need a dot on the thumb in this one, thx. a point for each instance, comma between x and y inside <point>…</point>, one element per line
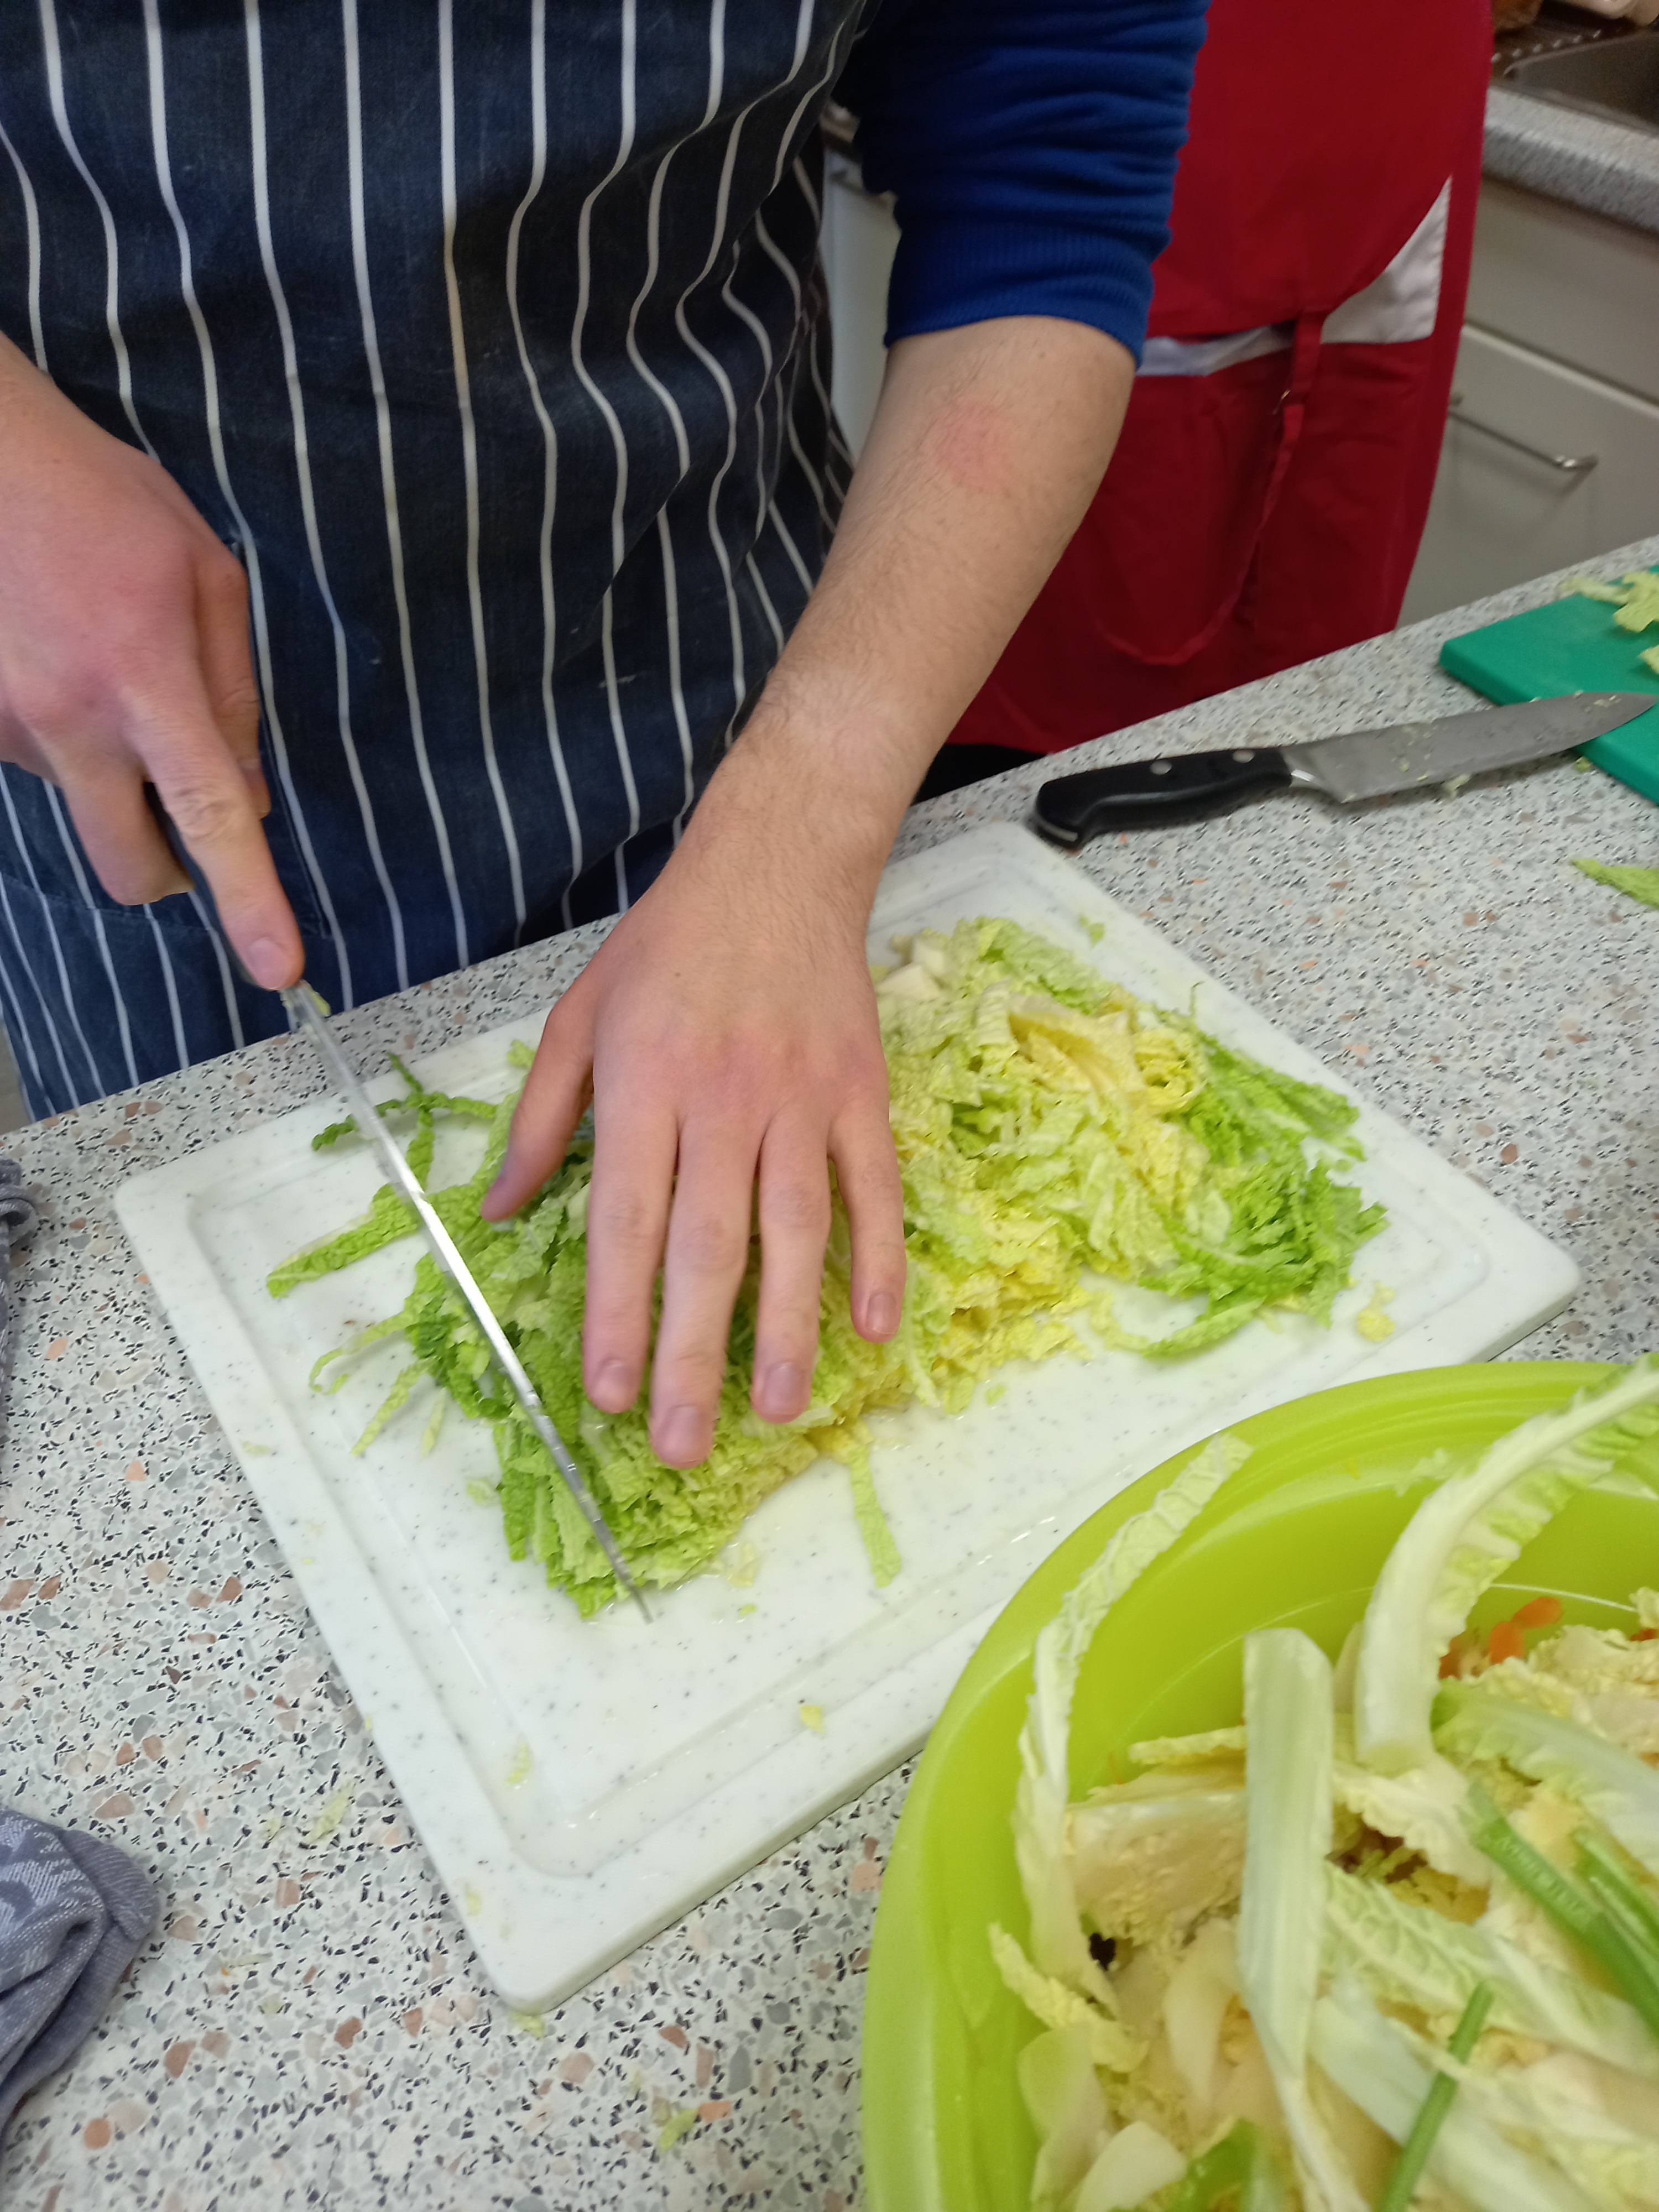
<point>556,1095</point>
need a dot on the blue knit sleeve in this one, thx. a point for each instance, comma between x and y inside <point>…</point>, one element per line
<point>1031,146</point>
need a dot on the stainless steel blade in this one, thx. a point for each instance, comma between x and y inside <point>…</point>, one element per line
<point>305,1012</point>
<point>1366,764</point>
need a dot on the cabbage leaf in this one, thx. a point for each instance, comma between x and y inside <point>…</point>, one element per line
<point>1041,1841</point>
<point>1619,1789</point>
<point>1375,2061</point>
<point>1460,1539</point>
<point>1287,1723</point>
<point>1410,1955</point>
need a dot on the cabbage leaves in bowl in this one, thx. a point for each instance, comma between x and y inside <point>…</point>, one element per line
<point>1396,1932</point>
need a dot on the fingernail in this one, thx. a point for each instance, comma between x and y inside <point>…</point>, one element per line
<point>614,1387</point>
<point>881,1314</point>
<point>781,1394</point>
<point>680,1437</point>
<point>269,963</point>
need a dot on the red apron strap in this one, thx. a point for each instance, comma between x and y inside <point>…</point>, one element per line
<point>1292,414</point>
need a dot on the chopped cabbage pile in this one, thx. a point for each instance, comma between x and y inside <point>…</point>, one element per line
<point>1054,1135</point>
<point>1395,1939</point>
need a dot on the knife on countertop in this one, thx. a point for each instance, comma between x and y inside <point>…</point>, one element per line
<point>1360,764</point>
<point>305,1012</point>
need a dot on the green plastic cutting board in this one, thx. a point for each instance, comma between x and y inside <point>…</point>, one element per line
<point>1297,1535</point>
<point>1571,645</point>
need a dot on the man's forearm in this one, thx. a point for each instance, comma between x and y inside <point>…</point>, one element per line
<point>987,446</point>
<point>728,1026</point>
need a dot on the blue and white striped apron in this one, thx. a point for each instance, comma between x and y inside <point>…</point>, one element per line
<point>493,340</point>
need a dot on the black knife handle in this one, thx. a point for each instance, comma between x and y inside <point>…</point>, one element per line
<point>1071,808</point>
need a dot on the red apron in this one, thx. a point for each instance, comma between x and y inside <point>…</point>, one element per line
<point>1262,513</point>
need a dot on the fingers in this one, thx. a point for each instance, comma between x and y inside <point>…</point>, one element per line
<point>707,1252</point>
<point>867,1170</point>
<point>627,1221</point>
<point>794,1221</point>
<point>124,842</point>
<point>205,792</point>
<point>227,667</point>
<point>554,1099</point>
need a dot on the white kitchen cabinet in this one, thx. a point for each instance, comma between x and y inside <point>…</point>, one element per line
<point>1575,286</point>
<point>1560,355</point>
<point>1504,512</point>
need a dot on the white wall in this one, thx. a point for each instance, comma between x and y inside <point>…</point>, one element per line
<point>859,238</point>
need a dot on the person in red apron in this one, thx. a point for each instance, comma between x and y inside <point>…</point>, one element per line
<point>1270,487</point>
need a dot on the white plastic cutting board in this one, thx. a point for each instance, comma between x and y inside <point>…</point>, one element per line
<point>580,1784</point>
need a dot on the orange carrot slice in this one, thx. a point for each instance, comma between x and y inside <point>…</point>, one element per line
<point>1505,1642</point>
<point>1538,1613</point>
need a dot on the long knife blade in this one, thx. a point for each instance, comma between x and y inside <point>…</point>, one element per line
<point>305,1012</point>
<point>1366,764</point>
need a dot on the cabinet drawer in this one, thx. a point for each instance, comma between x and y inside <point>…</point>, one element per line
<point>1575,286</point>
<point>1501,516</point>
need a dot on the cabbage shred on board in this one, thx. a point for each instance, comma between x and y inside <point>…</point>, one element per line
<point>1053,1134</point>
<point>1395,1939</point>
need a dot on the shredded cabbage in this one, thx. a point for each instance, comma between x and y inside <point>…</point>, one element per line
<point>1049,1123</point>
<point>1052,1132</point>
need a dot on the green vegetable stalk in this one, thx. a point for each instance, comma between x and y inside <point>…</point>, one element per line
<point>1408,2170</point>
<point>1633,1968</point>
<point>1240,2172</point>
<point>1619,1893</point>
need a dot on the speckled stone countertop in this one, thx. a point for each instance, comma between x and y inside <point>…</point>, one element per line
<point>309,2026</point>
<point>1606,168</point>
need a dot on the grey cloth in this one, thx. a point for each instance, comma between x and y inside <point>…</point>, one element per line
<point>73,1911</point>
<point>17,1218</point>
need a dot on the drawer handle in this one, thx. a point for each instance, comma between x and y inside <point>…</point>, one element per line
<point>1569,464</point>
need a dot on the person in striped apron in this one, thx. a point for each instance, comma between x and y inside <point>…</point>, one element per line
<point>417,467</point>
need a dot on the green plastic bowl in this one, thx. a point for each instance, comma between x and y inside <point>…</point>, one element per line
<point>1298,1535</point>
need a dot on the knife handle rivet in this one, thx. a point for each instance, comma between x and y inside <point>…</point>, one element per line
<point>1159,768</point>
<point>1244,758</point>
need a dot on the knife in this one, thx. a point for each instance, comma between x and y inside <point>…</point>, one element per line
<point>1360,764</point>
<point>305,1012</point>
